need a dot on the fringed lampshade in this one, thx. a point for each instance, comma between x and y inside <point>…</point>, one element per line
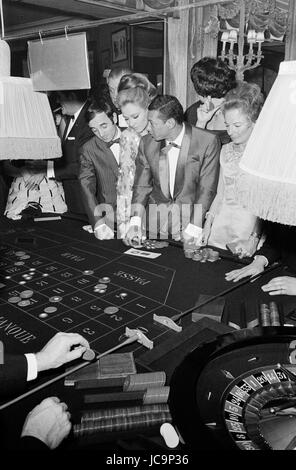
<point>27,128</point>
<point>267,185</point>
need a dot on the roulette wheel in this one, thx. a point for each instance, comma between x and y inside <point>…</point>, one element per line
<point>238,392</point>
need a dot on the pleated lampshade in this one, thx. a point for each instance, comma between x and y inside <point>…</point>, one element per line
<point>267,184</point>
<point>27,128</point>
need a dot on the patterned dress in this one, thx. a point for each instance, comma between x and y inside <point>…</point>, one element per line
<point>49,194</point>
<point>129,144</point>
<point>232,222</point>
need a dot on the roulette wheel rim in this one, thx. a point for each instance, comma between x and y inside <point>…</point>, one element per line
<point>187,404</point>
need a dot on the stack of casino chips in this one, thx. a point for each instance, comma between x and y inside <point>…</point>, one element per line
<point>154,244</point>
<point>143,401</point>
<point>201,254</point>
<point>122,419</point>
<point>269,314</point>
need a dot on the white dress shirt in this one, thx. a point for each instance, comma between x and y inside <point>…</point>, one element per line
<point>115,148</point>
<point>32,367</point>
<point>173,156</point>
<point>121,121</point>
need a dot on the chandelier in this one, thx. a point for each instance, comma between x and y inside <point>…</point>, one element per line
<point>248,24</point>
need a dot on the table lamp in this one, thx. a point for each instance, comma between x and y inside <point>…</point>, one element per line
<point>267,184</point>
<point>27,128</point>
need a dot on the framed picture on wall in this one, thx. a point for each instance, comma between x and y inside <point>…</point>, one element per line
<point>119,45</point>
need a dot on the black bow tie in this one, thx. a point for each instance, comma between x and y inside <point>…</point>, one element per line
<point>115,141</point>
<point>173,144</point>
<point>168,147</point>
<point>69,117</point>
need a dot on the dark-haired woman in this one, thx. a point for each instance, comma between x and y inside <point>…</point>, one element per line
<point>211,79</point>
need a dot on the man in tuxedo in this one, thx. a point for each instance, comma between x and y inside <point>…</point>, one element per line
<point>98,173</point>
<point>113,80</point>
<point>74,132</point>
<point>74,105</point>
<point>49,422</point>
<point>177,171</point>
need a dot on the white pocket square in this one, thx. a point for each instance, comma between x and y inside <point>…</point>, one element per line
<point>70,138</point>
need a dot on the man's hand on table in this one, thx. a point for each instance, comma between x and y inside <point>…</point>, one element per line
<point>59,350</point>
<point>49,422</point>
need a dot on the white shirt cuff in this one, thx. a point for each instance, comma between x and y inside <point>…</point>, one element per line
<point>136,220</point>
<point>265,259</point>
<point>32,367</point>
<point>50,169</point>
<point>194,231</point>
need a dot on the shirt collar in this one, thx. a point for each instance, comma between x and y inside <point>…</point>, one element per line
<point>117,133</point>
<point>78,112</point>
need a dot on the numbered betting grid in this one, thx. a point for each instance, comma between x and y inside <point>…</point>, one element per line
<point>85,290</point>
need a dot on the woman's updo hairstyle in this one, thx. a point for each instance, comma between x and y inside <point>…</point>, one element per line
<point>135,88</point>
<point>247,97</point>
<point>134,80</point>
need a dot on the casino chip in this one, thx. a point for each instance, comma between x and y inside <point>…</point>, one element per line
<point>14,300</point>
<point>89,355</point>
<point>22,282</point>
<point>88,272</point>
<point>100,286</point>
<point>105,280</point>
<point>24,303</point>
<point>50,309</point>
<point>19,263</point>
<point>25,257</point>
<point>20,253</point>
<point>110,310</point>
<point>100,291</point>
<point>43,315</point>
<point>55,298</point>
<point>26,294</point>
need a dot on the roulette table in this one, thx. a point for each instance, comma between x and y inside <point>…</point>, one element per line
<point>56,277</point>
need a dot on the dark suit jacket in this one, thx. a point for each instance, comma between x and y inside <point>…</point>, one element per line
<point>191,118</point>
<point>13,374</point>
<point>66,168</point>
<point>280,244</point>
<point>98,176</point>
<point>13,377</point>
<point>196,174</point>
<point>5,182</point>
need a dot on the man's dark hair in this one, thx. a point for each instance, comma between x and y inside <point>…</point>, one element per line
<point>212,77</point>
<point>168,107</point>
<point>97,107</point>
